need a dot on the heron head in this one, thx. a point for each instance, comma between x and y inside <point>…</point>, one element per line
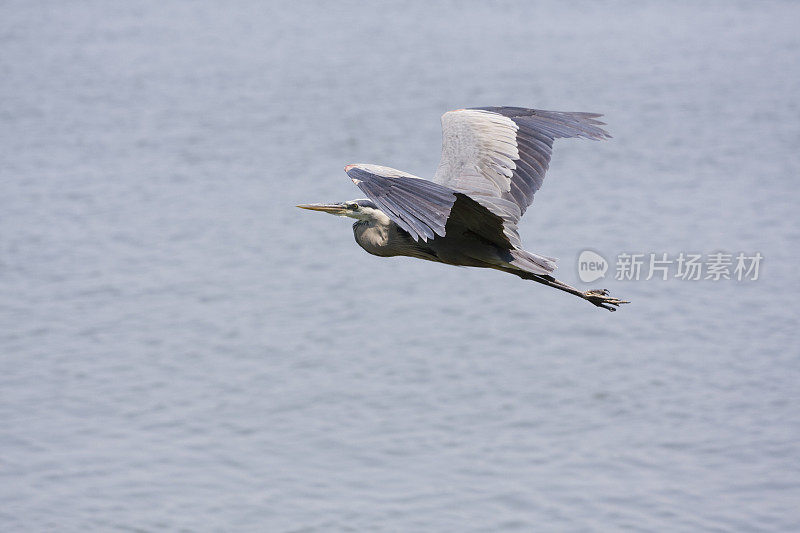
<point>360,209</point>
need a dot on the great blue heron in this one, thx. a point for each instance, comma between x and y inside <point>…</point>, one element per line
<point>493,161</point>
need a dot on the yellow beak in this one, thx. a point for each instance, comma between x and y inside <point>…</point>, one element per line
<point>334,209</point>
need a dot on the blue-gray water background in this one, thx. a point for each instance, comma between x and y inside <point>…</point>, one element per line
<point>182,349</point>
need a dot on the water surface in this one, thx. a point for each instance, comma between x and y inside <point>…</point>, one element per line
<point>182,349</point>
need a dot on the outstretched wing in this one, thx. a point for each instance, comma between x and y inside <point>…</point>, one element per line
<point>419,206</point>
<point>426,209</point>
<point>499,155</point>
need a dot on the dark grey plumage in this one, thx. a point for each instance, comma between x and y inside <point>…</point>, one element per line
<point>493,162</point>
<point>418,206</point>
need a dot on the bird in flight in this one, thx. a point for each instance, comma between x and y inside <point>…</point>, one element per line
<point>493,162</point>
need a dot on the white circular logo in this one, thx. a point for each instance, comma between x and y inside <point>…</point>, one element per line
<point>591,266</point>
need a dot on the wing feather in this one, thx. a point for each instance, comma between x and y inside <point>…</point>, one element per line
<point>425,209</point>
<point>419,206</point>
<point>503,152</point>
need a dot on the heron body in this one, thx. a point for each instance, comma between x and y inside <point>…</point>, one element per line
<point>493,162</point>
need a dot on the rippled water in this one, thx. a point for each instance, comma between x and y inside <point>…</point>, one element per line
<point>182,349</point>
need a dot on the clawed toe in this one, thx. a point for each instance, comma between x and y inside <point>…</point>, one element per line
<point>598,292</point>
<point>601,298</point>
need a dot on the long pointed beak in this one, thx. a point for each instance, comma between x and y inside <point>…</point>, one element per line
<point>334,209</point>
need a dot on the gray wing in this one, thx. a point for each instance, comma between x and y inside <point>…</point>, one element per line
<point>419,206</point>
<point>426,209</point>
<point>499,155</point>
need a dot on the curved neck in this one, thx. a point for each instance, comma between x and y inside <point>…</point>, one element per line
<point>374,236</point>
<point>386,239</point>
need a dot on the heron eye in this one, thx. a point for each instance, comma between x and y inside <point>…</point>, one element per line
<point>353,206</point>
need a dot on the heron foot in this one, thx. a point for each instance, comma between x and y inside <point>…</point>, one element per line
<point>601,298</point>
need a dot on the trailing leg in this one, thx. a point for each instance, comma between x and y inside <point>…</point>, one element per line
<point>598,297</point>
